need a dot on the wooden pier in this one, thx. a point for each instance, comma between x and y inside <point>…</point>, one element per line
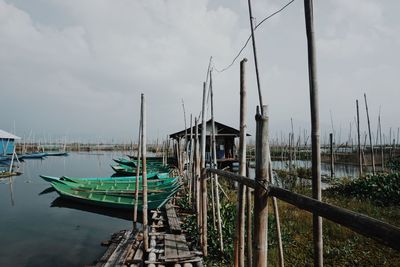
<point>167,246</point>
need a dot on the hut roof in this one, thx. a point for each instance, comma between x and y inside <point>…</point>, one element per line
<point>6,135</point>
<point>221,130</point>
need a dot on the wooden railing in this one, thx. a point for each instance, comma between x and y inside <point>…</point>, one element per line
<point>382,232</point>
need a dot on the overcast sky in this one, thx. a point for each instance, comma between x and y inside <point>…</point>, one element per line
<point>77,68</point>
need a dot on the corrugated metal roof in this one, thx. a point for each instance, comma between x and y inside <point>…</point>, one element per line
<point>6,135</point>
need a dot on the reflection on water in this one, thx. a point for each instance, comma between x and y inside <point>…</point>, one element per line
<point>37,228</point>
<point>115,213</point>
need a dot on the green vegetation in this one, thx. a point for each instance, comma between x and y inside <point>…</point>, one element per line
<point>382,189</point>
<point>375,196</point>
<point>394,164</point>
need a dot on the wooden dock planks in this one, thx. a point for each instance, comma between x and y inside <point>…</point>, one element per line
<point>173,221</point>
<point>176,247</point>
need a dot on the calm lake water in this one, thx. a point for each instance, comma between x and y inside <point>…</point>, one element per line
<point>37,228</point>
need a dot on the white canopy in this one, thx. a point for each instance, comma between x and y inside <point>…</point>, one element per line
<point>6,135</point>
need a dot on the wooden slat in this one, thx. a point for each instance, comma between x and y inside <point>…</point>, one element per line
<point>173,221</point>
<point>171,251</point>
<point>182,247</point>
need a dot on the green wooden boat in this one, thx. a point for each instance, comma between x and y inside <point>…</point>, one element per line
<point>126,189</point>
<point>126,179</point>
<point>114,199</point>
<point>133,163</point>
<point>148,159</point>
<point>126,162</point>
<point>161,184</point>
<point>127,170</point>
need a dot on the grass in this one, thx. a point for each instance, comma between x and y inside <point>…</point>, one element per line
<point>342,247</point>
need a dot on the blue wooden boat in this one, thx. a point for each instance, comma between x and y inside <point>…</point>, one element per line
<point>35,155</point>
<point>56,154</point>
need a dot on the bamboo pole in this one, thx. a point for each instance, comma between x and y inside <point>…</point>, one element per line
<point>281,259</point>
<point>370,136</point>
<point>315,131</point>
<point>203,180</point>
<point>249,224</point>
<point>380,141</point>
<point>360,170</point>
<point>197,173</point>
<point>331,155</point>
<point>253,39</point>
<point>216,183</point>
<point>260,195</point>
<point>144,177</point>
<point>190,171</point>
<point>240,214</point>
<point>138,168</point>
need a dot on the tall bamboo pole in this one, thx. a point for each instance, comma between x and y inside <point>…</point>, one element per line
<point>144,177</point>
<point>281,259</point>
<point>381,143</point>
<point>370,136</point>
<point>203,180</point>
<point>331,153</point>
<point>260,194</point>
<point>138,167</point>
<point>253,39</point>
<point>216,183</point>
<point>315,131</point>
<point>240,217</point>
<point>190,171</point>
<point>197,173</point>
<point>359,142</point>
<point>249,224</point>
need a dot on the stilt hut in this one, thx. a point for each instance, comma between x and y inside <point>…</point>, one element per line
<point>224,138</point>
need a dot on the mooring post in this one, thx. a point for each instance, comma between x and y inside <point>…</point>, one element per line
<point>216,183</point>
<point>360,170</point>
<point>138,167</point>
<point>203,178</point>
<point>144,178</point>
<point>260,193</point>
<point>249,224</point>
<point>197,174</point>
<point>190,171</point>
<point>370,136</point>
<point>240,213</point>
<point>331,153</point>
<point>315,131</point>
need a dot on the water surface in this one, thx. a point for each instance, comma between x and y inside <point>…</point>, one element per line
<point>37,228</point>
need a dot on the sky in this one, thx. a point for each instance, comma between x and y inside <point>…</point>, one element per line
<point>76,69</point>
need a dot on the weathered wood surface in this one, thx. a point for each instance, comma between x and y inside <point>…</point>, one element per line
<point>173,221</point>
<point>176,247</point>
<point>118,250</point>
<point>382,232</point>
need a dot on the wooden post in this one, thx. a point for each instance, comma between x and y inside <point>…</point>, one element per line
<point>315,131</point>
<point>190,171</point>
<point>203,180</point>
<point>332,159</point>
<point>381,143</point>
<point>216,183</point>
<point>253,39</point>
<point>197,173</point>
<point>240,213</point>
<point>144,177</point>
<point>260,194</point>
<point>138,167</point>
<point>370,136</point>
<point>359,142</point>
<point>249,224</point>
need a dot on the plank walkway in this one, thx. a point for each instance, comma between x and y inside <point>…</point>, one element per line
<point>168,245</point>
